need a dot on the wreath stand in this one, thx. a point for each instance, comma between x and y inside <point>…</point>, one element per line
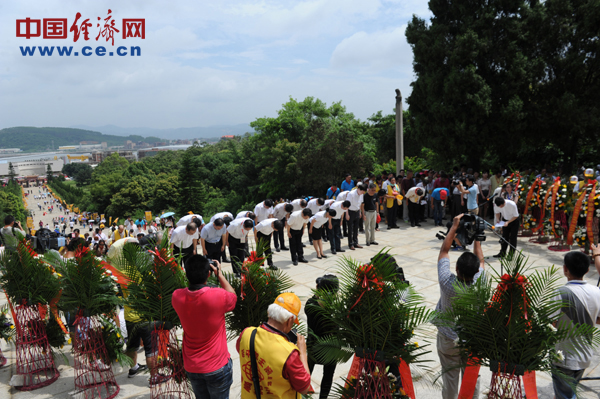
<point>369,367</point>
<point>168,378</point>
<point>94,378</point>
<point>35,360</point>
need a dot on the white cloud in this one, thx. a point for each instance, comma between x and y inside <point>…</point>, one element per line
<point>374,51</point>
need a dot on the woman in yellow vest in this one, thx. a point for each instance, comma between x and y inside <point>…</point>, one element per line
<point>282,366</point>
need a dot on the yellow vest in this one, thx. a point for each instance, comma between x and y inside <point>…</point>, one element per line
<point>272,351</point>
<point>118,235</point>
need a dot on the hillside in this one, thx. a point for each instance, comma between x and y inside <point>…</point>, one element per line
<point>31,139</point>
<point>174,133</point>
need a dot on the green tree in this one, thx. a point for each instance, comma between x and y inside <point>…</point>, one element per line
<point>81,172</point>
<point>166,195</point>
<point>474,63</point>
<point>49,175</point>
<point>11,172</point>
<point>191,188</point>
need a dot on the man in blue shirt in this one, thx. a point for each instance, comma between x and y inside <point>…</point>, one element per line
<point>348,183</point>
<point>472,190</point>
<point>439,195</point>
<point>333,191</point>
<point>211,238</point>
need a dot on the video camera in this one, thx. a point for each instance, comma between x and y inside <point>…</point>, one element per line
<point>459,179</point>
<point>471,228</point>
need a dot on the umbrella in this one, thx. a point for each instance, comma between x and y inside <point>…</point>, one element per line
<point>167,214</point>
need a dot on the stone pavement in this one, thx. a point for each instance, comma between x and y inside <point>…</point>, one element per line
<point>415,249</point>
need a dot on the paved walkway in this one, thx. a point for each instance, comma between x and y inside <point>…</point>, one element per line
<point>415,249</point>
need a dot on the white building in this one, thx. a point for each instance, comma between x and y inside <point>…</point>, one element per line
<point>33,167</point>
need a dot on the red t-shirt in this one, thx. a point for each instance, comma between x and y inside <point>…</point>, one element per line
<point>293,369</point>
<point>202,315</point>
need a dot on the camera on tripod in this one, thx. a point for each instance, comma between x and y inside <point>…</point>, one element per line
<point>471,228</point>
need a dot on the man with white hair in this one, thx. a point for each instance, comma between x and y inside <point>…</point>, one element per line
<point>268,350</point>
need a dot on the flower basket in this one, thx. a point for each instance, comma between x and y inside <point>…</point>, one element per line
<point>524,232</point>
<point>372,380</point>
<point>35,360</point>
<point>94,377</point>
<point>506,381</point>
<point>168,378</point>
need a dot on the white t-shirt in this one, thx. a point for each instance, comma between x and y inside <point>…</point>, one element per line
<point>221,215</point>
<point>339,211</point>
<point>509,210</point>
<point>355,200</point>
<point>188,219</point>
<point>314,206</point>
<point>265,226</point>
<point>318,219</point>
<point>296,221</point>
<point>297,204</point>
<point>279,210</point>
<point>181,239</point>
<point>236,229</point>
<point>261,212</point>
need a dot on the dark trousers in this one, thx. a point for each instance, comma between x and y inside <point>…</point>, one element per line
<point>264,241</point>
<point>335,235</point>
<point>278,236</point>
<point>438,211</point>
<point>327,380</point>
<point>392,215</point>
<point>353,228</point>
<point>296,248</point>
<point>456,206</point>
<point>237,252</point>
<point>186,253</point>
<point>413,213</point>
<point>213,250</point>
<point>509,233</point>
<point>345,226</point>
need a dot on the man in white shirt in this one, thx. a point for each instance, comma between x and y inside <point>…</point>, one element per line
<point>236,237</point>
<point>264,230</point>
<point>227,218</point>
<point>581,306</point>
<point>295,226</point>
<point>342,197</point>
<point>316,228</point>
<point>414,195</point>
<point>356,199</point>
<point>246,214</point>
<point>264,210</point>
<point>299,204</point>
<point>510,215</point>
<point>335,225</point>
<point>281,212</point>
<point>184,240</point>
<point>191,219</point>
<point>211,238</point>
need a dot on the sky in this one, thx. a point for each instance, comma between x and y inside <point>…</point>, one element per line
<point>206,63</point>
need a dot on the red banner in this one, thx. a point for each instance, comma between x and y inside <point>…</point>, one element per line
<point>469,380</point>
<point>590,213</point>
<point>407,381</point>
<point>575,216</point>
<point>543,207</point>
<point>530,385</point>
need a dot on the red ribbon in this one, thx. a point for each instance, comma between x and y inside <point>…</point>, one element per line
<point>469,380</point>
<point>365,281</point>
<point>590,213</point>
<point>406,377</point>
<point>530,385</point>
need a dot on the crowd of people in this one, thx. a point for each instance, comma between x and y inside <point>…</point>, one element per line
<point>344,211</point>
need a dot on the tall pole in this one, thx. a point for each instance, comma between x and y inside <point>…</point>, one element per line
<point>399,134</point>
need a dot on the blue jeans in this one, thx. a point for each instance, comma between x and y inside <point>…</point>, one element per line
<point>438,212</point>
<point>563,387</point>
<point>213,385</point>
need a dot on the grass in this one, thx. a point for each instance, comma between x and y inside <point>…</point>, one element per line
<point>73,183</point>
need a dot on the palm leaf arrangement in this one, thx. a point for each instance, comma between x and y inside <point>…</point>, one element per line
<point>25,277</point>
<point>510,328</point>
<point>256,290</point>
<point>376,314</point>
<point>154,276</point>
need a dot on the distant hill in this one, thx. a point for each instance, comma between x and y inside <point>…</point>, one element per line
<point>31,139</point>
<point>182,133</point>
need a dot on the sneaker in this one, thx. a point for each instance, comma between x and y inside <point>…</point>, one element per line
<point>141,368</point>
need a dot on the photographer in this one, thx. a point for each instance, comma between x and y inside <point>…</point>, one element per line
<point>469,267</point>
<point>206,359</point>
<point>471,193</point>
<point>508,213</point>
<point>9,238</point>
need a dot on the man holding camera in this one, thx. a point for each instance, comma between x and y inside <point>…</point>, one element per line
<point>206,359</point>
<point>469,267</point>
<point>509,213</point>
<point>9,238</point>
<point>471,191</point>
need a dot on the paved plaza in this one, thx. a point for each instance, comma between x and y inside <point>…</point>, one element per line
<point>415,249</point>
